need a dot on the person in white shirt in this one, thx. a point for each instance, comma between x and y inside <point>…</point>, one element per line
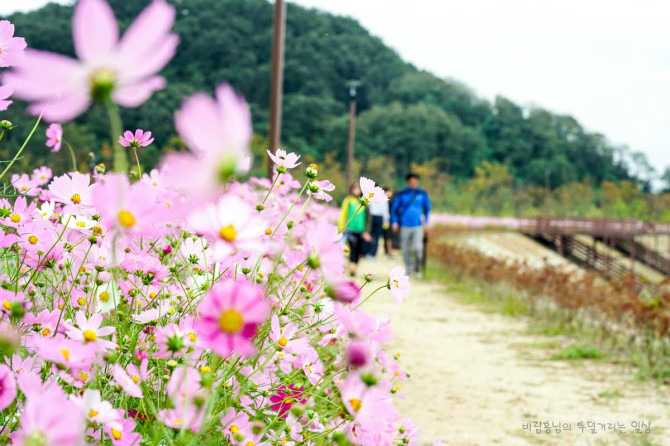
<point>381,218</point>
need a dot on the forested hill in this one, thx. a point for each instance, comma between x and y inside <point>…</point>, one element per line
<point>404,114</point>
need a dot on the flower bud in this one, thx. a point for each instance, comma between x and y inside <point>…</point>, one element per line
<point>312,171</point>
<point>313,260</point>
<point>368,277</point>
<point>260,207</point>
<point>5,124</point>
<point>343,291</point>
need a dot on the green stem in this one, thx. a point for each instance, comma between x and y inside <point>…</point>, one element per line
<point>350,218</point>
<point>120,159</point>
<point>271,188</point>
<point>72,155</point>
<point>139,169</point>
<point>25,143</point>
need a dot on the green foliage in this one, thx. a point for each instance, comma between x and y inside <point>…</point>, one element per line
<point>404,115</point>
<point>577,352</point>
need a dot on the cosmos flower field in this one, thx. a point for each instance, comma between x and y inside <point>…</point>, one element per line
<point>187,305</point>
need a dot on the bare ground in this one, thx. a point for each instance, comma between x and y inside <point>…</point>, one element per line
<point>477,377</point>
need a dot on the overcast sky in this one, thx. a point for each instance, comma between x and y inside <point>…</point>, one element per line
<point>606,62</point>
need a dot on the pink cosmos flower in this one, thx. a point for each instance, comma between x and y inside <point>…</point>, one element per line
<point>233,422</point>
<point>54,137</point>
<point>5,94</point>
<point>231,226</point>
<point>358,353</point>
<point>344,291</point>
<point>127,383</point>
<point>122,434</point>
<point>11,48</point>
<point>324,252</point>
<point>7,387</point>
<point>108,67</point>
<point>131,209</point>
<point>139,139</point>
<point>50,418</point>
<point>219,133</point>
<point>318,190</point>
<point>74,191</point>
<point>90,331</point>
<point>41,175</point>
<point>284,336</point>
<point>25,184</point>
<point>21,213</point>
<point>95,409</point>
<point>229,316</point>
<point>284,160</point>
<point>372,193</point>
<point>370,406</point>
<point>398,284</point>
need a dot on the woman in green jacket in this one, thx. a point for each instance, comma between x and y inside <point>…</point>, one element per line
<point>357,225</point>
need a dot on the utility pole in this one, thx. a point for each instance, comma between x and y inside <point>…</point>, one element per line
<point>277,78</point>
<point>547,192</point>
<point>352,84</point>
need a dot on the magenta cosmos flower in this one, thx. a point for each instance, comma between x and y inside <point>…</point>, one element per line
<point>107,67</point>
<point>139,139</point>
<point>54,137</point>
<point>229,316</point>
<point>11,48</point>
<point>218,132</point>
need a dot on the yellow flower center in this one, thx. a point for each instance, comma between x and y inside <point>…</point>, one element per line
<point>177,421</point>
<point>135,379</point>
<point>371,194</point>
<point>90,335</point>
<point>282,341</point>
<point>83,376</point>
<point>47,332</point>
<point>81,301</point>
<point>32,240</point>
<point>234,429</point>
<point>152,295</point>
<point>66,353</point>
<point>15,218</point>
<point>205,369</point>
<point>192,337</point>
<point>81,224</point>
<point>288,401</point>
<point>93,413</point>
<point>104,296</point>
<point>97,229</point>
<point>126,219</point>
<point>116,434</point>
<point>228,233</point>
<point>231,321</point>
<point>76,198</point>
<point>355,404</point>
<point>268,231</point>
<point>395,282</point>
<point>24,187</point>
<point>7,304</point>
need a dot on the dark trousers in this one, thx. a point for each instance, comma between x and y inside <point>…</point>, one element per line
<point>355,240</point>
<point>375,233</point>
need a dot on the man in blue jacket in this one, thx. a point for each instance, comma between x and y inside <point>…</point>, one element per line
<point>409,215</point>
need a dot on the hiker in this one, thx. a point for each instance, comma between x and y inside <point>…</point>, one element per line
<point>355,225</point>
<point>387,232</point>
<point>380,218</point>
<point>409,217</point>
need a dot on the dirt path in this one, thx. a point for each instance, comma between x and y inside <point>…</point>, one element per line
<point>476,377</point>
